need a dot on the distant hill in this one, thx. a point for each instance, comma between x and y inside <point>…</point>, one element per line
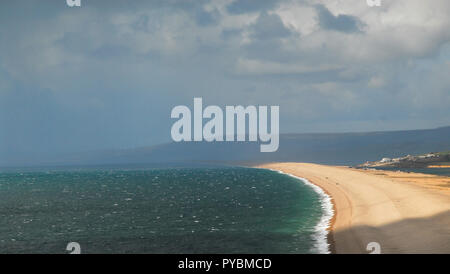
<point>429,160</point>
<point>338,148</point>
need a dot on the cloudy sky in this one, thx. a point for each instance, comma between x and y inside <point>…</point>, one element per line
<point>107,74</point>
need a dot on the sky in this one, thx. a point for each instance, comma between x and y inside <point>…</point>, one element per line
<point>107,74</point>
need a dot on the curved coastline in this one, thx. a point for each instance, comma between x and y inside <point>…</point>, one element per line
<point>403,212</point>
<point>323,227</point>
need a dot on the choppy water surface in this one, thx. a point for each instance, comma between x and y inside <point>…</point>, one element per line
<point>182,210</point>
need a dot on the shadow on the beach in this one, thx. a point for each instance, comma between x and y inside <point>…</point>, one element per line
<point>417,235</point>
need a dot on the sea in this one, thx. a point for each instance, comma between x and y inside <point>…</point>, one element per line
<point>192,210</point>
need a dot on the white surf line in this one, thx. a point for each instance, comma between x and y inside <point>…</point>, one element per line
<point>322,227</point>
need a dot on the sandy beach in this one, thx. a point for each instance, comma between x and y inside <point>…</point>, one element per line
<point>403,212</point>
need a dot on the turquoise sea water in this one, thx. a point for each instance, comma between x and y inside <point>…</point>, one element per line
<point>178,210</point>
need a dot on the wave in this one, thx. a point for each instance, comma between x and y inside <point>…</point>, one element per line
<point>321,245</point>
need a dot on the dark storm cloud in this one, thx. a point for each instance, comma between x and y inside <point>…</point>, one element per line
<point>266,33</point>
<point>341,22</point>
<point>245,6</point>
<point>269,26</point>
<point>206,18</point>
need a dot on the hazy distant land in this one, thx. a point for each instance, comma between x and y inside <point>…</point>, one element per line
<point>323,148</point>
<point>429,160</point>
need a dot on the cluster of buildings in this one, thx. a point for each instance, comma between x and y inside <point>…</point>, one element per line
<point>410,161</point>
<point>429,156</point>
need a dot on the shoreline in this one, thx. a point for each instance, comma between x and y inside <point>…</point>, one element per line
<point>368,207</point>
<point>324,226</point>
<point>330,221</point>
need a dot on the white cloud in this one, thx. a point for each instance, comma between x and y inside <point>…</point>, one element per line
<point>257,67</point>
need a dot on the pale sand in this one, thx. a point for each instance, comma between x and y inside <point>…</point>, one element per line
<point>403,212</point>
